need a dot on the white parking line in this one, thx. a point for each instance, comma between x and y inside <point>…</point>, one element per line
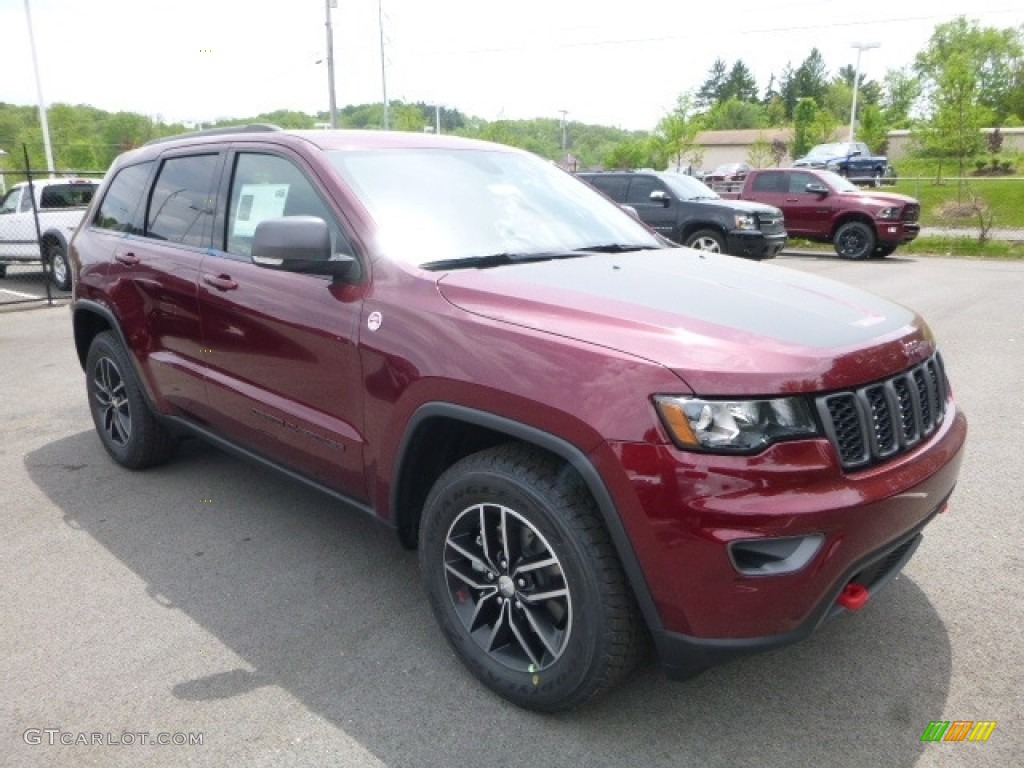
<point>19,293</point>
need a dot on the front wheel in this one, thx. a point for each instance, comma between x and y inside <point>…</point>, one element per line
<point>854,240</point>
<point>60,270</point>
<point>706,240</point>
<point>523,579</point>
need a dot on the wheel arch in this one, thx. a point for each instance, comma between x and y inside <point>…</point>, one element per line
<point>690,227</point>
<point>438,434</point>
<point>846,218</point>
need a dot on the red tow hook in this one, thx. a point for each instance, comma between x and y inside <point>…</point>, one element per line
<point>853,596</point>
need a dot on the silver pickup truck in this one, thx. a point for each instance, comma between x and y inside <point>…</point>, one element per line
<point>61,204</point>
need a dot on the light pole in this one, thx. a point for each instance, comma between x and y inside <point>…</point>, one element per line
<point>565,140</point>
<point>330,63</point>
<point>861,47</point>
<point>39,94</point>
<point>383,72</point>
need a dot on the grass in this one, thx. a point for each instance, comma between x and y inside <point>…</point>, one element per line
<point>965,247</point>
<point>1004,197</point>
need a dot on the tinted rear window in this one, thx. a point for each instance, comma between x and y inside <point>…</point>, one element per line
<point>76,195</point>
<point>118,209</point>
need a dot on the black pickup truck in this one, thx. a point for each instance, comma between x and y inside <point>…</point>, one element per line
<point>686,211</point>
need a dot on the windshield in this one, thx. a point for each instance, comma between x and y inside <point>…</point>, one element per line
<point>840,183</point>
<point>827,150</point>
<point>443,205</point>
<point>689,188</point>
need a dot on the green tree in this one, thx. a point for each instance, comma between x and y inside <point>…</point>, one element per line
<point>678,131</point>
<point>741,84</point>
<point>872,130</point>
<point>953,129</point>
<point>733,114</point>
<point>994,56</point>
<point>712,90</point>
<point>803,126</point>
<point>901,90</point>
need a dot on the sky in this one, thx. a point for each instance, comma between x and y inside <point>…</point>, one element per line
<point>617,64</point>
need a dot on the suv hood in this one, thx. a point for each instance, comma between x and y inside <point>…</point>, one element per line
<point>724,325</point>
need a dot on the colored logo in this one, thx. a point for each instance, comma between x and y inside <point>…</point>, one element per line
<point>958,730</point>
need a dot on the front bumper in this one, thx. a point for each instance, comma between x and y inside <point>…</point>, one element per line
<point>754,244</point>
<point>689,507</point>
<point>897,232</point>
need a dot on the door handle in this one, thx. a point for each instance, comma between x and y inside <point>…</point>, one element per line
<point>128,258</point>
<point>220,282</point>
<point>792,199</point>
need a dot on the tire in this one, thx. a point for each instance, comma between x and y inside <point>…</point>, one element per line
<point>706,240</point>
<point>854,240</point>
<point>502,528</point>
<point>126,425</point>
<point>60,269</point>
<point>876,178</point>
<point>881,251</point>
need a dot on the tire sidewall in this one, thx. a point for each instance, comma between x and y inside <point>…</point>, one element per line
<point>559,685</point>
<point>868,236</point>
<point>58,253</point>
<point>705,233</point>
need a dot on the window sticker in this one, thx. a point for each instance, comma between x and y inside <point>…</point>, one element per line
<point>257,202</point>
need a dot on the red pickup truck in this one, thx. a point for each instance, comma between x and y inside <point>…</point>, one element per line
<point>824,207</point>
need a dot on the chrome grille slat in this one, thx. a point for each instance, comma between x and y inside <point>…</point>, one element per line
<point>887,418</point>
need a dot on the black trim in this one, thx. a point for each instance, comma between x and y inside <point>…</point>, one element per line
<point>561,448</point>
<point>184,425</point>
<point>684,656</point>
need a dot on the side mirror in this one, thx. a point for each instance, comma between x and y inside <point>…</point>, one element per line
<point>816,189</point>
<point>659,196</point>
<point>298,244</point>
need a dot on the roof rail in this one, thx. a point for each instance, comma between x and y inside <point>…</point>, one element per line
<point>251,128</point>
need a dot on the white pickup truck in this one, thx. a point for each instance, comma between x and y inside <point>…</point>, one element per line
<point>61,204</point>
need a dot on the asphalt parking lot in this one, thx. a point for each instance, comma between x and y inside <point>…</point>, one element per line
<point>209,601</point>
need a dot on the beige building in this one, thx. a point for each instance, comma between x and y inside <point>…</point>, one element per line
<point>722,147</point>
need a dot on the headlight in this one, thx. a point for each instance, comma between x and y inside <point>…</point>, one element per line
<point>734,426</point>
<point>745,221</point>
<point>891,213</point>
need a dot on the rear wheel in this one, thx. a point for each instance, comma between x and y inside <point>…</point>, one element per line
<point>854,240</point>
<point>524,581</point>
<point>60,270</point>
<point>126,425</point>
<point>706,240</point>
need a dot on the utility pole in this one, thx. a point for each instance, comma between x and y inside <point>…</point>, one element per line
<point>565,137</point>
<point>330,63</point>
<point>39,94</point>
<point>861,47</point>
<point>383,73</point>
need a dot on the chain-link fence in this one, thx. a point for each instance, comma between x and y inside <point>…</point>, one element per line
<point>39,212</point>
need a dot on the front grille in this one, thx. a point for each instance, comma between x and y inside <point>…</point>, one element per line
<point>770,224</point>
<point>887,418</point>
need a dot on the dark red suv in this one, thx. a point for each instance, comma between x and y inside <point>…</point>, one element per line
<point>594,438</point>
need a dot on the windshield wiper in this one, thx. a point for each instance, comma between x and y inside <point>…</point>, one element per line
<point>495,260</point>
<point>612,248</point>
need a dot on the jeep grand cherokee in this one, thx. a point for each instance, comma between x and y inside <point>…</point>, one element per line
<point>593,438</point>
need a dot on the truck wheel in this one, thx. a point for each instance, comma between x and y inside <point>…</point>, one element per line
<point>854,240</point>
<point>876,178</point>
<point>60,270</point>
<point>706,240</point>
<point>127,427</point>
<point>523,579</point>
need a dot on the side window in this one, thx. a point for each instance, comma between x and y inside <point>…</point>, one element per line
<point>180,208</point>
<point>267,187</point>
<point>613,186</point>
<point>769,182</point>
<point>798,183</point>
<point>10,201</point>
<point>640,189</point>
<point>118,210</point>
